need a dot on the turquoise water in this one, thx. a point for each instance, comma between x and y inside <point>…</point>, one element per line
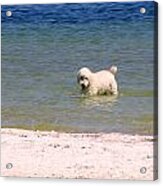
<point>43,47</point>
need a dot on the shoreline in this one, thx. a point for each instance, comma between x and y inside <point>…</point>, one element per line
<point>76,155</point>
<point>69,130</point>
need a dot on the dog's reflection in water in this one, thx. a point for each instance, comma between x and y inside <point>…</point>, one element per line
<point>104,101</point>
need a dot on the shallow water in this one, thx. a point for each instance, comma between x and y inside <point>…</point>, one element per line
<point>43,47</point>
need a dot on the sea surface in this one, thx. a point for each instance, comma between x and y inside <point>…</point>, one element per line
<point>43,47</point>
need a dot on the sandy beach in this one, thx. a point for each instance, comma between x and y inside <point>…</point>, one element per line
<point>76,155</point>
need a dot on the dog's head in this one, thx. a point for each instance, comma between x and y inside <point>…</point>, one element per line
<point>83,78</point>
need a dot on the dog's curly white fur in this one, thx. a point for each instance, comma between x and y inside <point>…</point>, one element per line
<point>98,83</point>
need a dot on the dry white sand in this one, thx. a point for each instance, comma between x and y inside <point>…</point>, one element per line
<point>64,155</point>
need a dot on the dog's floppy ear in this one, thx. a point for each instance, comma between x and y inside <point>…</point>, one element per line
<point>78,76</point>
<point>113,69</point>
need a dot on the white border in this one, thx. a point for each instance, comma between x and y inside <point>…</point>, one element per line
<point>41,182</point>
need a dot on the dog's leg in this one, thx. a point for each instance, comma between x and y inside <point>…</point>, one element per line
<point>93,91</point>
<point>113,89</point>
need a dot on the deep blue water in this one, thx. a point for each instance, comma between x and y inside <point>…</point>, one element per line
<point>43,47</point>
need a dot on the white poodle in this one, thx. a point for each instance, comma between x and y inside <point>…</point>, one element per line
<point>98,83</point>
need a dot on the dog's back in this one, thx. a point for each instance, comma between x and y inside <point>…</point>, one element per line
<point>105,80</point>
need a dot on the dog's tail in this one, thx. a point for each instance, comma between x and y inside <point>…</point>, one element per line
<point>113,69</point>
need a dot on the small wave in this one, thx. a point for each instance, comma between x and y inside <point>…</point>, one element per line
<point>137,93</point>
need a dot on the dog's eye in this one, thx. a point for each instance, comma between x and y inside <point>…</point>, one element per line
<point>82,77</point>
